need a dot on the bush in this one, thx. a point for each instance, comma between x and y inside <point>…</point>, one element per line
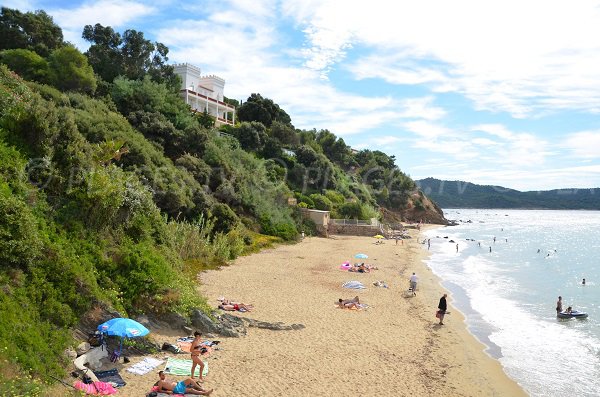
<point>335,197</point>
<point>301,198</point>
<point>286,231</point>
<point>20,243</point>
<point>28,64</point>
<point>321,202</point>
<point>224,219</point>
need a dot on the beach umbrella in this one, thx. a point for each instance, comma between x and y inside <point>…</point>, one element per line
<point>123,327</point>
<point>378,236</point>
<point>361,256</point>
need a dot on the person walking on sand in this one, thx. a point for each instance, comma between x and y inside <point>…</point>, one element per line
<point>413,283</point>
<point>559,305</point>
<point>195,351</point>
<point>442,306</point>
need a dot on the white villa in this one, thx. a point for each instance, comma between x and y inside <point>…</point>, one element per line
<point>204,93</point>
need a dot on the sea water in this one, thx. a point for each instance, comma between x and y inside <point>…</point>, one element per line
<point>509,295</point>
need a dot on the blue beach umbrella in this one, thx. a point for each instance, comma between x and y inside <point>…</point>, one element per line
<point>361,256</point>
<point>123,327</point>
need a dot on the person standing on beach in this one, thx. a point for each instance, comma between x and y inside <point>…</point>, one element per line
<point>413,283</point>
<point>442,306</point>
<point>195,351</point>
<point>456,247</point>
<point>559,305</point>
<point>428,244</point>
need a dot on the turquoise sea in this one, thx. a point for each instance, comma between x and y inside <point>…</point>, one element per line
<point>509,295</point>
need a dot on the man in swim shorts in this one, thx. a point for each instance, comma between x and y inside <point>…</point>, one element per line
<point>189,386</point>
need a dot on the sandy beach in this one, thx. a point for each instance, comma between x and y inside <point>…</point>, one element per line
<point>394,347</point>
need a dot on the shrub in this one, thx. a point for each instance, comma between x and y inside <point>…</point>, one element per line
<point>321,202</point>
<point>224,219</point>
<point>304,199</point>
<point>20,243</point>
<point>286,231</point>
<point>28,64</point>
<point>335,197</point>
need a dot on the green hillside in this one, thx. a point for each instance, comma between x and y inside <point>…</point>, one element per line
<point>459,194</point>
<point>113,193</point>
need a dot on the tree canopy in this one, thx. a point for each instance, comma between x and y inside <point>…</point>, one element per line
<point>35,31</point>
<point>263,110</point>
<point>129,55</point>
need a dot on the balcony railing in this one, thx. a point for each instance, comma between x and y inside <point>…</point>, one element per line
<point>209,99</point>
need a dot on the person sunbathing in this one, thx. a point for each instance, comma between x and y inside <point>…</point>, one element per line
<point>362,268</point>
<point>228,305</point>
<point>232,307</point>
<point>189,386</point>
<point>353,303</point>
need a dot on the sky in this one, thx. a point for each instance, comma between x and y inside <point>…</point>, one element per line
<point>500,93</point>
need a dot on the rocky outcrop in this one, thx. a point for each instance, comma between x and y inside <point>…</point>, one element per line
<point>234,326</point>
<point>418,208</point>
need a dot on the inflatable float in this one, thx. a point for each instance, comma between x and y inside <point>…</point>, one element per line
<point>573,314</point>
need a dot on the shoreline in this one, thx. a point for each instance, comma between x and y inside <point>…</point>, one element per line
<point>395,347</point>
<point>489,353</point>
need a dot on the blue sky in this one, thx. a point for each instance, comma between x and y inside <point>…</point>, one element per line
<point>496,93</point>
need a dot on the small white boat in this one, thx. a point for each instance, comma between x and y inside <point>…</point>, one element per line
<point>572,314</point>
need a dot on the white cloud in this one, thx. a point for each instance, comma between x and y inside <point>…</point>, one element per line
<point>584,144</point>
<point>498,130</point>
<point>106,12</point>
<point>514,56</point>
<point>21,5</point>
<point>420,108</point>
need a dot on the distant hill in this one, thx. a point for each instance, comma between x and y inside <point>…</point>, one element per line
<point>460,194</point>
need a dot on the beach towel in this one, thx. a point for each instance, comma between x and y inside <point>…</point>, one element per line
<point>359,306</point>
<point>111,376</point>
<point>145,366</point>
<point>95,388</point>
<point>160,394</point>
<point>185,345</point>
<point>176,366</point>
<point>353,285</point>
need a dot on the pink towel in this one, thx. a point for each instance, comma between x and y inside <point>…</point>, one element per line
<point>96,388</point>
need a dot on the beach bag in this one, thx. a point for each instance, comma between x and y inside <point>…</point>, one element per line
<point>437,314</point>
<point>95,340</point>
<point>171,348</point>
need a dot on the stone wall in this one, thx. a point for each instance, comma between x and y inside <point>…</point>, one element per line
<point>354,230</point>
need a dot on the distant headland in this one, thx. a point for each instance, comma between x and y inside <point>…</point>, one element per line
<point>460,194</point>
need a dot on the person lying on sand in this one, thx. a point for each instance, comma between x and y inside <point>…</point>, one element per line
<point>353,303</point>
<point>228,305</point>
<point>189,386</point>
<point>362,268</point>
